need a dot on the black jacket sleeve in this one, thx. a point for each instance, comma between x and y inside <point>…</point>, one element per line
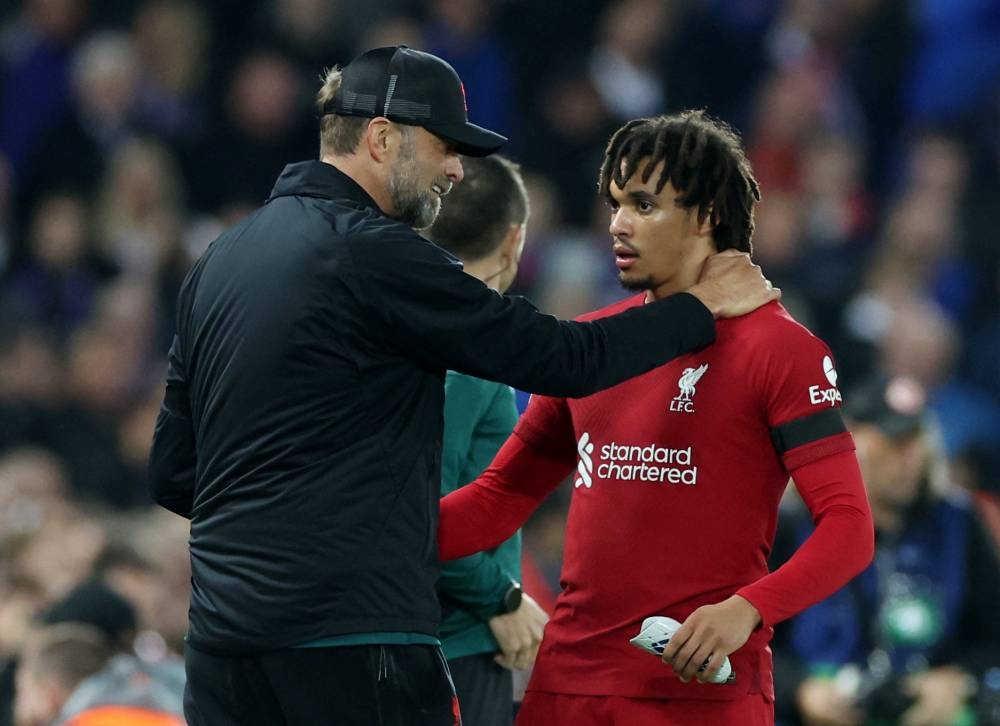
<point>447,319</point>
<point>172,459</point>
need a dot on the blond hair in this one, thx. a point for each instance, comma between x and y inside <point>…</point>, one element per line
<point>338,135</point>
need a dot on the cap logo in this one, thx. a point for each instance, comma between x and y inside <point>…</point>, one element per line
<point>465,101</point>
<point>388,94</point>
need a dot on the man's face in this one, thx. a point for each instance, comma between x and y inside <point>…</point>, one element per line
<point>37,701</point>
<point>424,171</point>
<point>657,244</point>
<point>894,467</point>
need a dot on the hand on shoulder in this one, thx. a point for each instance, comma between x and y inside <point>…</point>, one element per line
<point>732,285</point>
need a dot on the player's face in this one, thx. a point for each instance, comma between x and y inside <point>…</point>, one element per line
<point>425,169</point>
<point>658,246</point>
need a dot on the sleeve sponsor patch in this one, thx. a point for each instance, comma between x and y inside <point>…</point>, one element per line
<point>819,395</point>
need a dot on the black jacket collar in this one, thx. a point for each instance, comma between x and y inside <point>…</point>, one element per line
<point>319,179</point>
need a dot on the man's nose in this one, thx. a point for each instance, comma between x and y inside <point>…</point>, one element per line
<point>453,168</point>
<point>619,223</point>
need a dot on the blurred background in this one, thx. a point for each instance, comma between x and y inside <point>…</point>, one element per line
<point>132,132</point>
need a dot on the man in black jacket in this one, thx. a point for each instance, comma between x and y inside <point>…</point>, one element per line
<point>301,426</point>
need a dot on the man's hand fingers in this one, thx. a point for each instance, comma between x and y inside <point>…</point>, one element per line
<point>504,661</point>
<point>525,658</point>
<point>732,253</point>
<point>676,643</point>
<point>731,284</point>
<point>712,667</point>
<point>683,644</point>
<point>698,657</point>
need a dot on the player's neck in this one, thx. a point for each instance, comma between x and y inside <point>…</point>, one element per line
<point>683,278</point>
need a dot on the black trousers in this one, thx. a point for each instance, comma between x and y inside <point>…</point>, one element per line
<point>362,685</point>
<point>485,690</point>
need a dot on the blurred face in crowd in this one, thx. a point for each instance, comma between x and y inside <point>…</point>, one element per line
<point>59,232</point>
<point>264,95</point>
<point>894,467</point>
<point>425,168</point>
<point>658,245</point>
<point>39,698</point>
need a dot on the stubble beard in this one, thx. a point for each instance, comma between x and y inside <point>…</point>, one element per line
<point>638,284</point>
<point>415,206</point>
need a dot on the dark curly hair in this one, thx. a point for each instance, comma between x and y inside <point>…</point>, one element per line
<point>703,159</point>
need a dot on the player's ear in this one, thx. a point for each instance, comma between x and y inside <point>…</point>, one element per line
<point>706,220</point>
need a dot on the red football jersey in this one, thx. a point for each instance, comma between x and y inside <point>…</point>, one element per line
<point>678,474</point>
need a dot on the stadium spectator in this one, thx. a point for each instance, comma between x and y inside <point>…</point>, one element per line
<point>626,65</point>
<point>463,32</point>
<point>264,123</point>
<point>678,472</point>
<point>489,625</point>
<point>103,113</point>
<point>56,660</point>
<point>171,39</point>
<point>128,692</point>
<point>55,280</point>
<point>908,639</point>
<point>45,33</point>
<point>302,417</point>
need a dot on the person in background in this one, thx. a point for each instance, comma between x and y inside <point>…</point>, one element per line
<point>55,660</point>
<point>489,625</point>
<point>909,639</point>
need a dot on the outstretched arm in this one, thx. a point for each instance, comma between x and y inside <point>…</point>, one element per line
<point>488,511</point>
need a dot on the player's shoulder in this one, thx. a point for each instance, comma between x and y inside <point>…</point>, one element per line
<point>768,326</point>
<point>632,301</point>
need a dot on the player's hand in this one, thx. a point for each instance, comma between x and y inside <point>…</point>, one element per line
<point>731,285</point>
<point>519,634</point>
<point>822,704</point>
<point>940,693</point>
<point>710,634</point>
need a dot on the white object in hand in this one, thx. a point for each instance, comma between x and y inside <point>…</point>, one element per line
<point>657,631</point>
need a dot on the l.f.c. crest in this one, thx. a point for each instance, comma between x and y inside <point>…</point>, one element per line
<point>687,382</point>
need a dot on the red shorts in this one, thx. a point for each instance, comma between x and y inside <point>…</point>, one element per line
<point>553,709</point>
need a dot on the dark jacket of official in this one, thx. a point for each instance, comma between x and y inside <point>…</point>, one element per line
<point>301,426</point>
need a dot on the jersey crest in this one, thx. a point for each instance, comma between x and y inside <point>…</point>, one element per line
<point>683,402</point>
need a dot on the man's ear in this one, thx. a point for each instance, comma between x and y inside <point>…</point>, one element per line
<point>706,220</point>
<point>512,244</point>
<point>379,138</point>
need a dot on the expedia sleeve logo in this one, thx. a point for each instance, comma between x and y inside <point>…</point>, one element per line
<point>622,462</point>
<point>819,395</point>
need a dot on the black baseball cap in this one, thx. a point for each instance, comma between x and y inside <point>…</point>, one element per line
<point>898,406</point>
<point>415,88</point>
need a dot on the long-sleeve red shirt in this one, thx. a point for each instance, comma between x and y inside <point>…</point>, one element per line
<point>677,476</point>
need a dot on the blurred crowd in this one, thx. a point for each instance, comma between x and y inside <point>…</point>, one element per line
<point>133,131</point>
